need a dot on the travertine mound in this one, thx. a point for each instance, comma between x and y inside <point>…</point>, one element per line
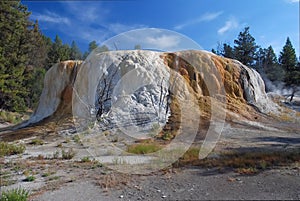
<point>142,87</point>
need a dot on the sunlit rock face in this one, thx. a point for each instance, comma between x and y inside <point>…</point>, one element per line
<point>57,91</point>
<point>141,88</point>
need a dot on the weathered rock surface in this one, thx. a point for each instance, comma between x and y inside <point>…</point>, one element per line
<point>142,84</point>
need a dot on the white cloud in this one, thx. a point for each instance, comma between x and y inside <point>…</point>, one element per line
<point>229,25</point>
<point>163,41</point>
<point>204,18</point>
<point>88,12</point>
<point>51,17</point>
<point>119,28</point>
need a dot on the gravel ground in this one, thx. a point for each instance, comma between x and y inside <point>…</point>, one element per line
<point>194,183</point>
<point>190,184</point>
<point>80,182</point>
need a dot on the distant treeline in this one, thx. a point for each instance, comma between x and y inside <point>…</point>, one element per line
<point>26,54</point>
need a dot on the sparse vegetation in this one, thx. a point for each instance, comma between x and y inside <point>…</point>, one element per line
<point>29,178</point>
<point>7,149</point>
<point>243,163</point>
<point>113,180</point>
<point>47,174</point>
<point>18,194</point>
<point>55,155</point>
<point>143,148</point>
<point>11,117</point>
<point>76,139</point>
<point>86,159</point>
<point>37,142</point>
<point>67,155</point>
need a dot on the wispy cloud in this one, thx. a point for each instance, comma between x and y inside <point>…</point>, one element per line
<point>163,42</point>
<point>88,12</point>
<point>204,18</point>
<point>51,17</point>
<point>84,21</point>
<point>152,38</point>
<point>292,1</point>
<point>230,24</point>
<point>119,28</point>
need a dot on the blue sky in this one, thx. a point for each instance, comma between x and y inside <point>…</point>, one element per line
<point>207,22</point>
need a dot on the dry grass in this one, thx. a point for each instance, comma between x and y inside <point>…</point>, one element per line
<point>244,163</point>
<point>144,148</point>
<point>7,149</point>
<point>113,180</point>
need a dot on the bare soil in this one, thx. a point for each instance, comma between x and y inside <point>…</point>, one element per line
<point>61,179</point>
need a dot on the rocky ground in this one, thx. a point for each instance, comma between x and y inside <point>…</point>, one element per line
<point>78,179</point>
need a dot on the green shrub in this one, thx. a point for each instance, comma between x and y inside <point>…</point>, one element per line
<point>76,139</point>
<point>15,195</point>
<point>143,148</point>
<point>85,159</point>
<point>11,117</point>
<point>7,149</point>
<point>29,178</point>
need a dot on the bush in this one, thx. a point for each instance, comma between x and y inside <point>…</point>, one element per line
<point>7,149</point>
<point>29,178</point>
<point>143,148</point>
<point>11,117</point>
<point>15,195</point>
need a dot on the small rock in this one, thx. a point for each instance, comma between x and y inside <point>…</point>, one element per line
<point>121,196</point>
<point>164,196</point>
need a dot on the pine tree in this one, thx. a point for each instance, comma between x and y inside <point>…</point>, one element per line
<point>271,66</point>
<point>288,61</point>
<point>228,51</point>
<point>288,58</point>
<point>75,53</point>
<point>92,45</point>
<point>245,48</point>
<point>13,54</point>
<point>35,70</point>
<point>58,52</point>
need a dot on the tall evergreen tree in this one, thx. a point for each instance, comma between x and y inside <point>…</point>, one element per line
<point>58,52</point>
<point>92,45</point>
<point>288,58</point>
<point>75,53</point>
<point>228,51</point>
<point>245,48</point>
<point>13,54</point>
<point>35,69</point>
<point>288,61</point>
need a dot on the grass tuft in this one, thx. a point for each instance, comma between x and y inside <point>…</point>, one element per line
<point>7,149</point>
<point>143,148</point>
<point>67,155</point>
<point>18,194</point>
<point>37,142</point>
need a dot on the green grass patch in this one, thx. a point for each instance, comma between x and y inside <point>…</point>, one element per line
<point>29,178</point>
<point>86,159</point>
<point>7,149</point>
<point>143,148</point>
<point>18,194</point>
<point>11,117</point>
